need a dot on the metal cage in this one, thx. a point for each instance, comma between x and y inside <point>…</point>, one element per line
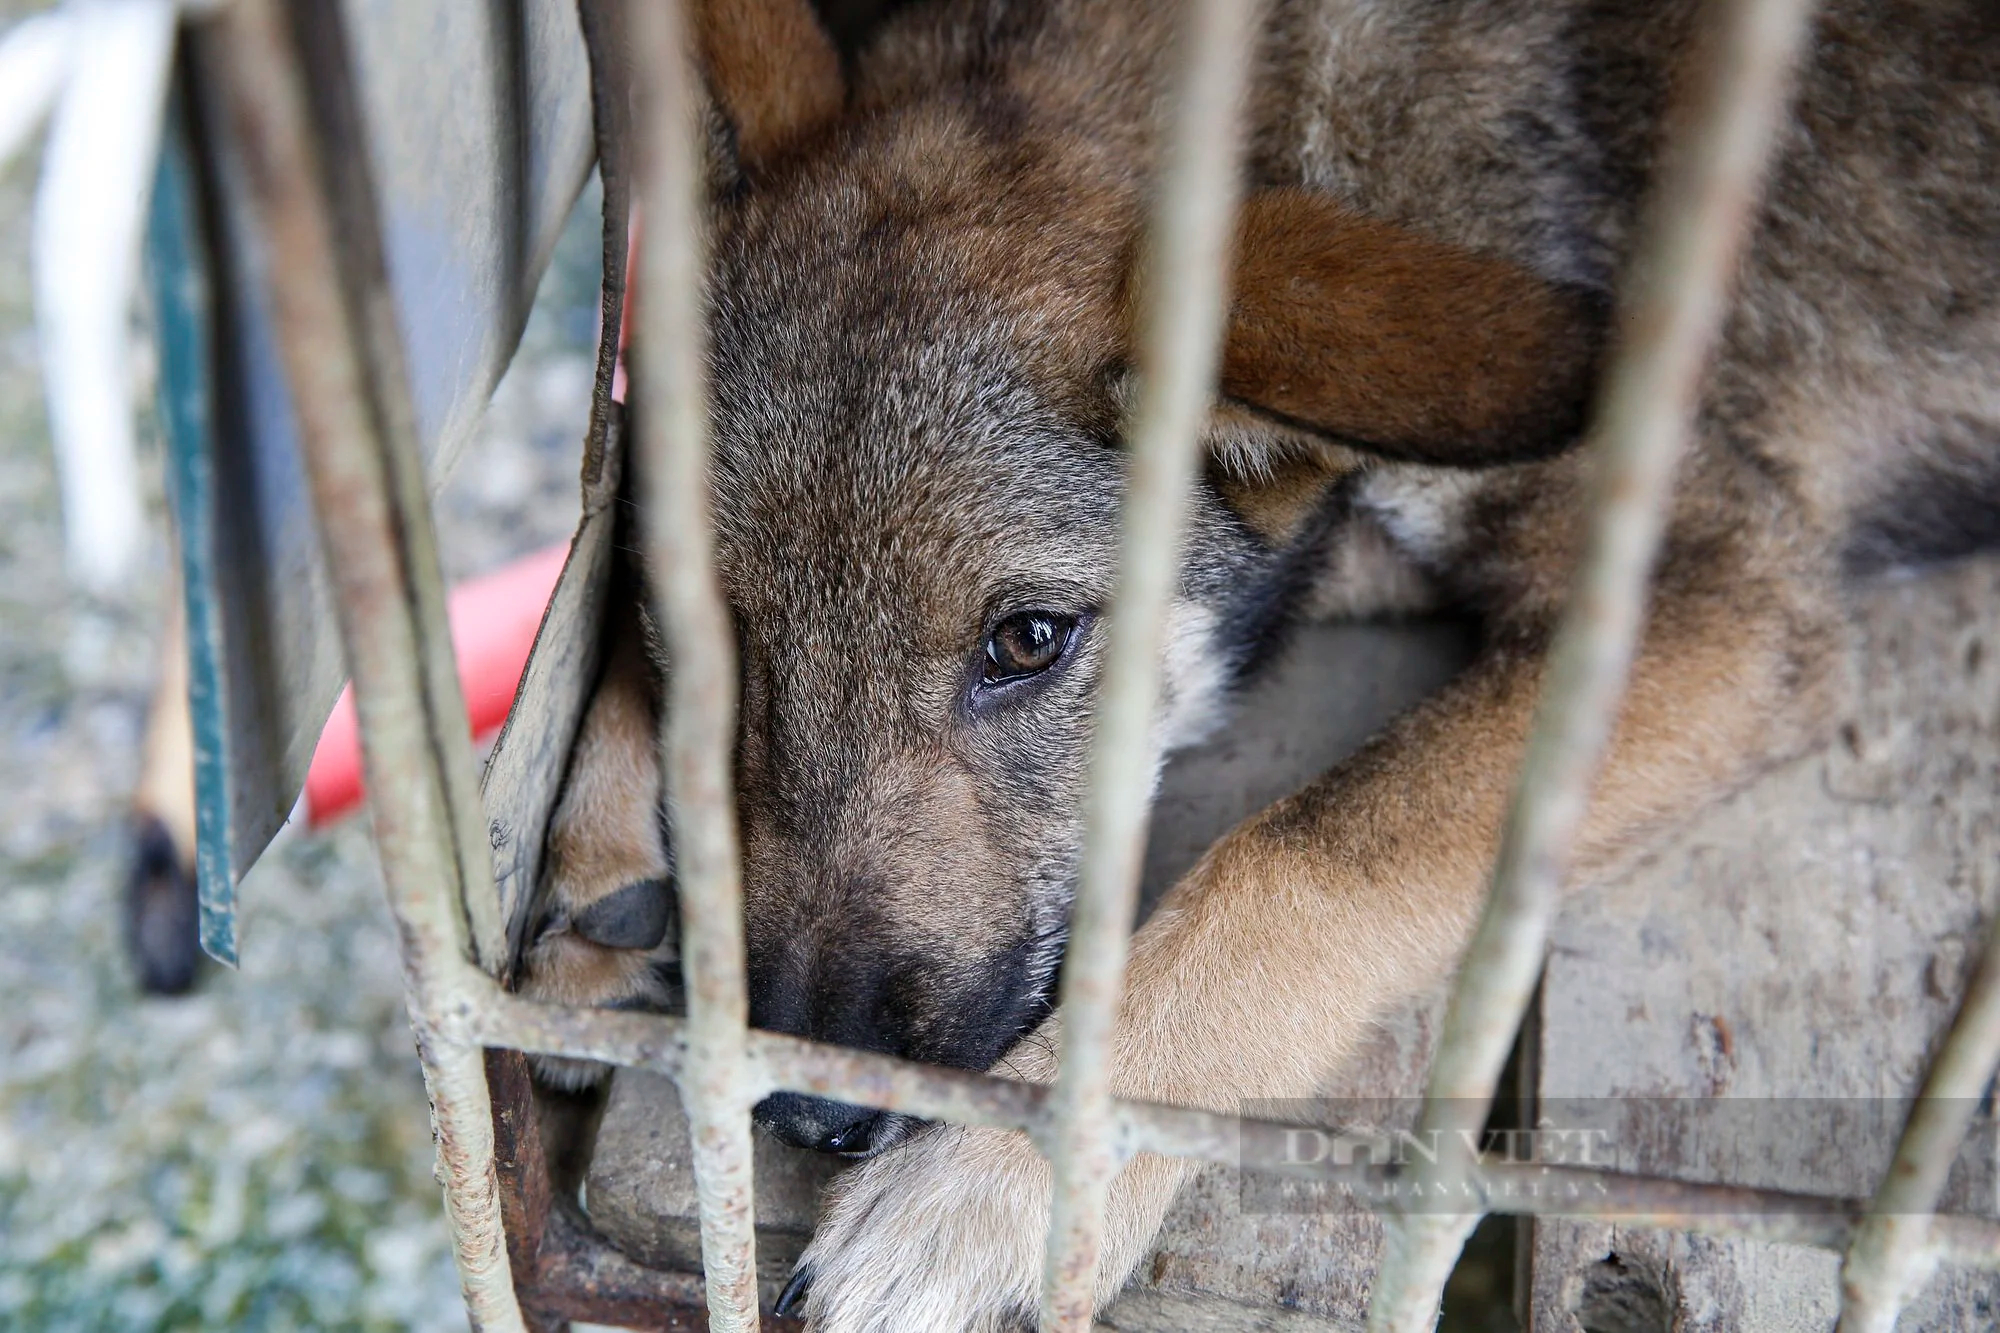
<point>346,376</point>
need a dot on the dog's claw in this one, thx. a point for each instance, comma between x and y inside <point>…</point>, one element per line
<point>636,916</point>
<point>793,1296</point>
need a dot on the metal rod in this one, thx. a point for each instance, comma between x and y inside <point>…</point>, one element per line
<point>700,723</point>
<point>1889,1259</point>
<point>497,1018</point>
<point>183,296</point>
<point>1183,301</point>
<point>378,554</point>
<point>1678,285</point>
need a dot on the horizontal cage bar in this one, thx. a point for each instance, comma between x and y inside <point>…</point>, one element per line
<point>658,1042</point>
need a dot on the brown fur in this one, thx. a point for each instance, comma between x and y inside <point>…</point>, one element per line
<point>772,69</point>
<point>1410,347</point>
<point>919,378</point>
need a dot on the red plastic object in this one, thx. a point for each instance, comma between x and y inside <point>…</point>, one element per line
<point>493,623</point>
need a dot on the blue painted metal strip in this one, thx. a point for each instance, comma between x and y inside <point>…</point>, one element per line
<point>177,263</point>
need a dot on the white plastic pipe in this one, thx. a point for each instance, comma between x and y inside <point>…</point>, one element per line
<point>90,213</point>
<point>34,56</point>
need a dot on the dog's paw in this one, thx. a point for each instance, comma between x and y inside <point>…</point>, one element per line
<point>946,1234</point>
<point>606,934</point>
<point>618,950</point>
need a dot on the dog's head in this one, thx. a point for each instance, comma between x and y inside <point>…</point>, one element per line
<point>920,348</point>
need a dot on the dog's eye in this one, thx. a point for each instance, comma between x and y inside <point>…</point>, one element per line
<point>1026,643</point>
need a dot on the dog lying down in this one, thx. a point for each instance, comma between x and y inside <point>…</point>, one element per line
<point>920,343</point>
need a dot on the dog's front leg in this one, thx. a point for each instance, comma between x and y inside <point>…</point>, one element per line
<point>1262,968</point>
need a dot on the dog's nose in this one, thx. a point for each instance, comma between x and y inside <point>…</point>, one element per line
<point>814,1122</point>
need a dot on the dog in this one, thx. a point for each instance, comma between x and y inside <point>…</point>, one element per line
<point>922,267</point>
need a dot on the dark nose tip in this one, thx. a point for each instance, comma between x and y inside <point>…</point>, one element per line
<point>814,1122</point>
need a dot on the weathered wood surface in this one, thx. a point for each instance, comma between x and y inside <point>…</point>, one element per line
<point>1806,941</point>
<point>1218,1269</point>
<point>524,774</point>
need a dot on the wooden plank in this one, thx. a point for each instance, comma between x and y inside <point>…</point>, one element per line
<point>524,773</point>
<point>1804,943</point>
<point>519,1161</point>
<point>584,1278</point>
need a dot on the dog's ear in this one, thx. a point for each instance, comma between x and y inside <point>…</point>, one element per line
<point>772,69</point>
<point>1402,346</point>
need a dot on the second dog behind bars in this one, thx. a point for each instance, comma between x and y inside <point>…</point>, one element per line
<point>921,294</point>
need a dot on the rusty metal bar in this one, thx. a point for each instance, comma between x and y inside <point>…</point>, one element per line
<point>700,724</point>
<point>1183,301</point>
<point>1676,291</point>
<point>388,593</point>
<point>1889,1259</point>
<point>655,1042</point>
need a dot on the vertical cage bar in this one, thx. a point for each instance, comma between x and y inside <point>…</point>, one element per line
<point>343,368</point>
<point>1184,296</point>
<point>1891,1255</point>
<point>1675,296</point>
<point>717,1080</point>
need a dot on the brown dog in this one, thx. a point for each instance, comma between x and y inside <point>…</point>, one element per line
<point>920,364</point>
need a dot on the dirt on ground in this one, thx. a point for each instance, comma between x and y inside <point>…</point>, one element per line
<point>256,1155</point>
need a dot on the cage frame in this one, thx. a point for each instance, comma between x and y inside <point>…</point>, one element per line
<point>525,1262</point>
